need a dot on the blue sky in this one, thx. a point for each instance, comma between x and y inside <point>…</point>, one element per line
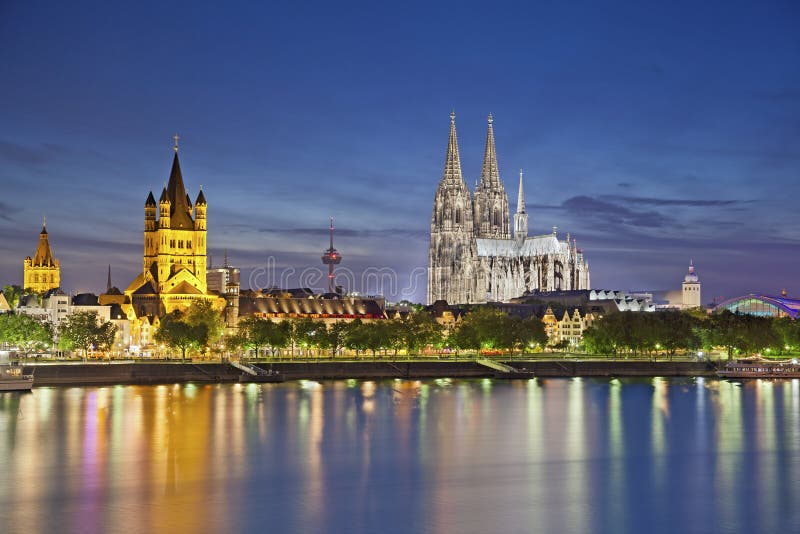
<point>653,132</point>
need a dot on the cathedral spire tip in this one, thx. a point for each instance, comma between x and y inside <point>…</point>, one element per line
<point>175,146</point>
<point>491,119</point>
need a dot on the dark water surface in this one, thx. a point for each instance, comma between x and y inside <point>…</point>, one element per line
<point>561,455</point>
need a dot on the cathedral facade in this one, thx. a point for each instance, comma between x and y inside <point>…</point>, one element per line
<point>173,272</point>
<point>475,254</point>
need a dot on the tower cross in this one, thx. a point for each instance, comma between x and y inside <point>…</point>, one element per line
<point>175,137</point>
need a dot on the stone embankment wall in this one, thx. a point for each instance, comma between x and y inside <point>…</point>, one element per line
<point>165,373</point>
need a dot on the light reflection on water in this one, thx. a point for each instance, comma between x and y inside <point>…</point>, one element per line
<point>438,456</point>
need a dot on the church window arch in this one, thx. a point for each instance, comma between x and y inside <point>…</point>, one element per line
<point>497,217</point>
<point>458,215</point>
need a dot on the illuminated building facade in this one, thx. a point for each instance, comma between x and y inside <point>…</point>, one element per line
<point>473,256</point>
<point>761,305</point>
<point>42,272</point>
<point>174,263</point>
<point>225,282</point>
<point>690,289</point>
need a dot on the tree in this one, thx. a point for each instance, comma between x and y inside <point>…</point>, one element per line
<point>355,336</point>
<point>376,335</point>
<point>305,333</point>
<point>25,332</point>
<point>333,337</point>
<point>177,333</point>
<point>418,330</point>
<point>203,313</point>
<point>463,337</point>
<point>277,335</point>
<point>788,330</point>
<point>83,331</point>
<point>252,334</point>
<point>12,294</point>
<point>518,332</point>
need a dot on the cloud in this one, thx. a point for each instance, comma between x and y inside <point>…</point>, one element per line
<point>651,201</point>
<point>404,233</point>
<point>625,185</point>
<point>29,155</point>
<point>6,211</point>
<point>603,210</point>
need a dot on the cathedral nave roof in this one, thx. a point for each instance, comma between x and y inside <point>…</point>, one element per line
<point>532,246</point>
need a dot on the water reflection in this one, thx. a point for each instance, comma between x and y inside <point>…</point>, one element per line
<point>439,456</point>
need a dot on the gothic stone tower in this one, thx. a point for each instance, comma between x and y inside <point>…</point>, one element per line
<point>491,201</point>
<point>452,247</point>
<point>174,261</point>
<point>473,258</point>
<point>42,272</point>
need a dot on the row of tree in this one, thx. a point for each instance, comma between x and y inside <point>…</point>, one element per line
<point>482,329</point>
<point>80,331</point>
<point>411,334</point>
<point>675,331</point>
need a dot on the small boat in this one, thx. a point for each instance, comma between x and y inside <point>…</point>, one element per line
<point>252,373</point>
<point>265,378</point>
<point>12,379</point>
<point>756,368</point>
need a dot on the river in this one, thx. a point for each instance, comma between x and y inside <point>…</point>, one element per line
<point>439,456</point>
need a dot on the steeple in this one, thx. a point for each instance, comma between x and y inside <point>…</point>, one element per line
<point>490,174</point>
<point>490,206</point>
<point>452,162</point>
<point>108,282</point>
<point>520,217</point>
<point>180,212</point>
<point>44,255</point>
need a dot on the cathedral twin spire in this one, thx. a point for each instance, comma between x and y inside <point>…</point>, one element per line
<point>490,174</point>
<point>452,162</point>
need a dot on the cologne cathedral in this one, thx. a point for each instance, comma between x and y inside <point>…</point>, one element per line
<point>474,258</point>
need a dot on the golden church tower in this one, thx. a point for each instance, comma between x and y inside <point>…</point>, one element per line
<point>42,272</point>
<point>174,261</point>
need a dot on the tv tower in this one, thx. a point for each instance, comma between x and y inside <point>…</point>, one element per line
<point>330,258</point>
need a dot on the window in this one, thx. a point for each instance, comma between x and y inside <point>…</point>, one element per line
<point>458,216</point>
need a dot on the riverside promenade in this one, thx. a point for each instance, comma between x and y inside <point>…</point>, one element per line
<point>57,374</point>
